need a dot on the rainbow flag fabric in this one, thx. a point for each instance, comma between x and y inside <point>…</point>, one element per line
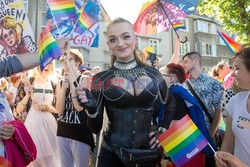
<point>182,141</point>
<point>179,26</point>
<point>4,86</point>
<point>84,21</point>
<point>233,46</point>
<point>4,162</point>
<point>48,48</point>
<point>62,9</point>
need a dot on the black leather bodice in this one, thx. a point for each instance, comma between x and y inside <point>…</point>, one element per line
<point>128,96</point>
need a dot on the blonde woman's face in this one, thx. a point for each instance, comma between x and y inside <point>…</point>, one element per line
<point>9,36</point>
<point>121,40</point>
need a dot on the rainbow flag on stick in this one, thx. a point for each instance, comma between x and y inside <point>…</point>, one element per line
<point>179,26</point>
<point>85,21</point>
<point>182,141</point>
<point>48,48</point>
<point>4,162</point>
<point>62,9</point>
<point>233,46</point>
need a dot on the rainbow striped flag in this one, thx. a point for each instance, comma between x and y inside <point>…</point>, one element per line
<point>179,26</point>
<point>4,86</point>
<point>233,46</point>
<point>48,48</point>
<point>85,21</point>
<point>4,162</point>
<point>182,141</point>
<point>62,9</point>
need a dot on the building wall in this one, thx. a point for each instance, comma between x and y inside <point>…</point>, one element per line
<point>101,56</point>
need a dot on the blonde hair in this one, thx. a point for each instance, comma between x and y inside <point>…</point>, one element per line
<point>137,53</point>
<point>9,23</point>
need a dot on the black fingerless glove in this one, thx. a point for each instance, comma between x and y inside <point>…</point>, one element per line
<point>91,104</point>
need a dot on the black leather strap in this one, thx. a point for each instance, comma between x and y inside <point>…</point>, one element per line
<point>199,100</point>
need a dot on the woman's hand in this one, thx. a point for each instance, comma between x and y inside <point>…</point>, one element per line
<point>6,131</point>
<point>225,159</point>
<point>28,88</point>
<point>154,142</point>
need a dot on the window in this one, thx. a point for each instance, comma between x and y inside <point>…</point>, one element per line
<point>203,26</point>
<point>154,43</point>
<point>208,49</point>
<point>185,48</point>
<point>26,4</point>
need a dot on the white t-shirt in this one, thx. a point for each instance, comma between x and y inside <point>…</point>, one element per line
<point>13,90</point>
<point>5,116</point>
<point>237,109</point>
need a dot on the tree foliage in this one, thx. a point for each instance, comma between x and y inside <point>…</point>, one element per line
<point>233,14</point>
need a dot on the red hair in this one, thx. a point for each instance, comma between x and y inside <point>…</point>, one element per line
<point>178,70</point>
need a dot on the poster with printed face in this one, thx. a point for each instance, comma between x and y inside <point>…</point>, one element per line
<point>16,35</point>
<point>83,29</point>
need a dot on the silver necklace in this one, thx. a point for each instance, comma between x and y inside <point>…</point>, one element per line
<point>125,65</point>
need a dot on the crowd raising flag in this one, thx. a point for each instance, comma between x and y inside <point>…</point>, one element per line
<point>48,48</point>
<point>233,46</point>
<point>179,26</point>
<point>62,9</point>
<point>182,141</point>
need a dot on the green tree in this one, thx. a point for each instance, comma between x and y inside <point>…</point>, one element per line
<point>233,14</point>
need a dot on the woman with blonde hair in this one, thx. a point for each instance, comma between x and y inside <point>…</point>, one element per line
<point>132,93</point>
<point>40,122</point>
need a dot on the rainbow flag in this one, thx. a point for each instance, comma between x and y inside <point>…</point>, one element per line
<point>62,9</point>
<point>4,86</point>
<point>222,128</point>
<point>48,48</point>
<point>182,141</point>
<point>85,21</point>
<point>4,162</point>
<point>233,46</point>
<point>179,26</point>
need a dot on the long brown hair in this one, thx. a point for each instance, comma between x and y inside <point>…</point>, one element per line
<point>137,52</point>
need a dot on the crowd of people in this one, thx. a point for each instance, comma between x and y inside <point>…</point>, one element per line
<point>64,117</point>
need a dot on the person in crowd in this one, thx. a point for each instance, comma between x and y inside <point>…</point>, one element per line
<point>225,159</point>
<point>208,90</point>
<point>220,71</point>
<point>74,136</point>
<point>174,75</point>
<point>236,139</point>
<point>40,95</point>
<point>129,91</point>
<point>96,70</point>
<point>227,95</point>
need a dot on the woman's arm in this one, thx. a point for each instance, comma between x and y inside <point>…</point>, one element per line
<point>60,97</point>
<point>228,142</point>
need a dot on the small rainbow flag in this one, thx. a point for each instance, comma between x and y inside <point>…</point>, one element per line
<point>48,48</point>
<point>182,141</point>
<point>222,128</point>
<point>62,9</point>
<point>4,86</point>
<point>233,46</point>
<point>84,22</point>
<point>179,26</point>
<point>4,162</point>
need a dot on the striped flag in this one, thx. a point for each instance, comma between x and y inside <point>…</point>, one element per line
<point>4,162</point>
<point>4,86</point>
<point>233,46</point>
<point>48,48</point>
<point>179,26</point>
<point>85,21</point>
<point>62,9</point>
<point>182,141</point>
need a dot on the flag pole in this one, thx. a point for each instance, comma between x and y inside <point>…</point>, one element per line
<point>211,147</point>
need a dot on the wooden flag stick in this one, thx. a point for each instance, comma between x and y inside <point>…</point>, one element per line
<point>211,147</point>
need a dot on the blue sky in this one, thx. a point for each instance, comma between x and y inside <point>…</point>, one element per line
<point>128,9</point>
